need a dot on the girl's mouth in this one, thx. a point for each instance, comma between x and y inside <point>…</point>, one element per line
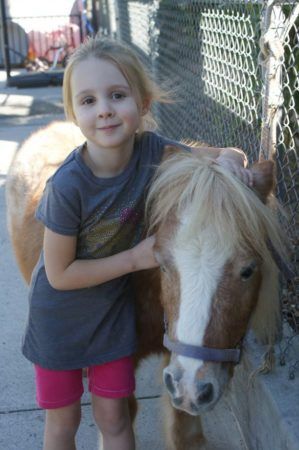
<point>108,127</point>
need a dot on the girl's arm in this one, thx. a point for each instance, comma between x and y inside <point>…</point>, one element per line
<point>65,272</point>
<point>231,158</point>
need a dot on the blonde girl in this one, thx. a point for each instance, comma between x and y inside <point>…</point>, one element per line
<point>81,311</point>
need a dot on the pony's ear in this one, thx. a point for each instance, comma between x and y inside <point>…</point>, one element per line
<point>263,178</point>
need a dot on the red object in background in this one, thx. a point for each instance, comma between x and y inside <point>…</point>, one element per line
<point>56,44</point>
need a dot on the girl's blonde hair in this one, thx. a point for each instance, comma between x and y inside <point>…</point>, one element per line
<point>143,87</point>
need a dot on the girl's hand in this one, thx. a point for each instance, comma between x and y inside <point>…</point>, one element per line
<point>143,254</point>
<point>244,175</point>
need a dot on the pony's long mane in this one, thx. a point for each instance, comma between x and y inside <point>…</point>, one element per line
<point>204,195</point>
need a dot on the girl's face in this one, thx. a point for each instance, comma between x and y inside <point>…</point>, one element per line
<point>105,108</point>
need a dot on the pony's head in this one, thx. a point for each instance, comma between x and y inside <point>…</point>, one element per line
<point>216,269</point>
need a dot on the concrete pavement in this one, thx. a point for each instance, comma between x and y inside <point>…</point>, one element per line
<point>21,421</point>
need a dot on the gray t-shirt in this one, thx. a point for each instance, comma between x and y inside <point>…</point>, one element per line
<point>83,327</point>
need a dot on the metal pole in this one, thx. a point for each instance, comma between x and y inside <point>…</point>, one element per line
<point>94,16</point>
<point>271,59</point>
<point>5,42</point>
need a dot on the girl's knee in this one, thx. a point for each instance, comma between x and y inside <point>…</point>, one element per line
<point>112,420</point>
<point>63,421</point>
<point>114,426</point>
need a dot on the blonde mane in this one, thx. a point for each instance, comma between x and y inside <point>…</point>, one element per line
<point>212,197</point>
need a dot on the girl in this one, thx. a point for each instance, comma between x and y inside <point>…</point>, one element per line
<point>81,301</point>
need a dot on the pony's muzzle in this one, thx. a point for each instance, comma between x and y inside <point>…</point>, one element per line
<point>200,398</point>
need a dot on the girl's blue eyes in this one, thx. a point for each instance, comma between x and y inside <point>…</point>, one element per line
<point>117,95</point>
<point>87,101</point>
<point>113,96</point>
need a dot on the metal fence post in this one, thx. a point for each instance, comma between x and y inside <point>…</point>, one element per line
<point>274,28</point>
<point>5,41</point>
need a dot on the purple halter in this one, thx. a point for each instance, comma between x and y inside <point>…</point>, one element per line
<point>198,352</point>
<point>204,353</point>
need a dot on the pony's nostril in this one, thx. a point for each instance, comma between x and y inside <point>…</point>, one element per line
<point>205,393</point>
<point>177,401</point>
<point>168,380</point>
<point>172,377</point>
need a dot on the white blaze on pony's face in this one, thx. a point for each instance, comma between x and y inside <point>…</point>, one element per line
<point>200,265</point>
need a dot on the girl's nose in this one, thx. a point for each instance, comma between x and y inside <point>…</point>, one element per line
<point>105,110</point>
<point>105,114</point>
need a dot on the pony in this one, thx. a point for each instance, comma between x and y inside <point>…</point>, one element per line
<point>217,274</point>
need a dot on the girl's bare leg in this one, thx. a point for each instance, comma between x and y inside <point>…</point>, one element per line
<point>113,419</point>
<point>61,427</point>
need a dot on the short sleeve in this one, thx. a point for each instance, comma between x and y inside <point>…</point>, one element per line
<point>60,212</point>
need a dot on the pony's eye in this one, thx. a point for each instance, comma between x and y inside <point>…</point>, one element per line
<point>163,268</point>
<point>247,272</point>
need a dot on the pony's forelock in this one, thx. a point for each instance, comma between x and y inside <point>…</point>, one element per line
<point>203,194</point>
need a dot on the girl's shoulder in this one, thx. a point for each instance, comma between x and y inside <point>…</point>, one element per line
<point>67,165</point>
<point>151,149</point>
<point>159,141</point>
<point>69,172</point>
<point>60,205</point>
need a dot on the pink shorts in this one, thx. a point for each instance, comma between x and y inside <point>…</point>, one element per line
<point>59,388</point>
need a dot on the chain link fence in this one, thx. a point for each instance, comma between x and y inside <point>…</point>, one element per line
<point>233,69</point>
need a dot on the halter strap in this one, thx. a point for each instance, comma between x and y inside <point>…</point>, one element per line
<point>204,353</point>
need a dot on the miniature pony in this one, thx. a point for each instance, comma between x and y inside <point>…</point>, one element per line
<point>217,275</point>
